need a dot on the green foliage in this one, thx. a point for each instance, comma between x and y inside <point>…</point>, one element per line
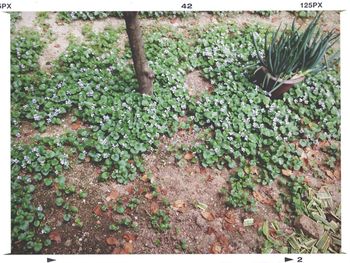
<point>264,13</point>
<point>14,16</point>
<point>26,47</point>
<point>298,196</point>
<point>240,194</point>
<point>292,51</point>
<point>304,14</point>
<point>160,221</point>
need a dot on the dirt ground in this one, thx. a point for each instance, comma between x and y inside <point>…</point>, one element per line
<point>200,220</point>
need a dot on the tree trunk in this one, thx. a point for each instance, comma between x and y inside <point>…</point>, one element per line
<point>144,74</point>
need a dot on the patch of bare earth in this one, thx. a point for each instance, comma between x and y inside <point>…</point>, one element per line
<point>196,84</point>
<point>27,132</point>
<point>198,212</point>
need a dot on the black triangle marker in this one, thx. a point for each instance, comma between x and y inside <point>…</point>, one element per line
<point>50,259</point>
<point>287,259</point>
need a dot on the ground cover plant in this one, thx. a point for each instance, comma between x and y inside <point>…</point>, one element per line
<point>280,156</point>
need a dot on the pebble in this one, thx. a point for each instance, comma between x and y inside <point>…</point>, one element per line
<point>309,226</point>
<point>68,243</point>
<point>200,221</point>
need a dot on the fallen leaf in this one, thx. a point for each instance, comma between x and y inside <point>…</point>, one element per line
<point>55,236</point>
<point>207,215</point>
<point>216,248</point>
<point>149,196</point>
<point>76,125</point>
<point>210,178</point>
<point>223,240</point>
<point>98,211</point>
<point>128,248</point>
<point>228,227</point>
<point>254,170</point>
<point>144,178</point>
<point>57,45</point>
<point>202,170</point>
<point>112,196</point>
<point>337,173</point>
<point>154,207</point>
<point>262,199</point>
<point>130,189</point>
<point>188,156</point>
<point>112,241</point>
<point>258,223</point>
<point>230,217</point>
<point>179,205</point>
<point>129,237</point>
<point>286,172</point>
<point>163,191</point>
<point>329,173</point>
<point>210,230</point>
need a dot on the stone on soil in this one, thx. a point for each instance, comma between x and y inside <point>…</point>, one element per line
<point>309,226</point>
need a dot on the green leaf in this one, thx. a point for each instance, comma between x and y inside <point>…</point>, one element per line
<point>59,201</point>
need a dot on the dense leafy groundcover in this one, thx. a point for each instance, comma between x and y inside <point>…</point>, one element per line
<point>95,83</point>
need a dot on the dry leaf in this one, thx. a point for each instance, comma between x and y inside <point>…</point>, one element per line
<point>202,170</point>
<point>262,199</point>
<point>179,205</point>
<point>254,170</point>
<point>188,156</point>
<point>216,248</point>
<point>228,227</point>
<point>76,125</point>
<point>149,196</point>
<point>144,178</point>
<point>230,217</point>
<point>130,189</point>
<point>55,236</point>
<point>337,173</point>
<point>210,230</point>
<point>128,248</point>
<point>210,178</point>
<point>128,237</point>
<point>207,215</point>
<point>98,211</point>
<point>329,173</point>
<point>286,172</point>
<point>112,241</point>
<point>112,196</point>
<point>154,207</point>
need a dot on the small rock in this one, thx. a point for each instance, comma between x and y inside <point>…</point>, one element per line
<point>309,226</point>
<point>200,221</point>
<point>68,243</point>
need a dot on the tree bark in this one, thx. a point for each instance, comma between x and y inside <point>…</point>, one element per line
<point>144,74</point>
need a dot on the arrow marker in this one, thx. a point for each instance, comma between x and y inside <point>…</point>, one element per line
<point>50,259</point>
<point>287,259</point>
